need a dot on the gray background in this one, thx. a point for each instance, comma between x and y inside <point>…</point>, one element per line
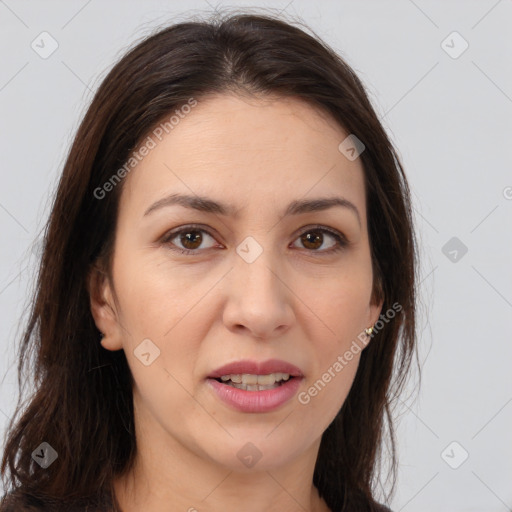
<point>449,116</point>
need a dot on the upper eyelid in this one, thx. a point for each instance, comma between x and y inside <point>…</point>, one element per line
<point>191,227</point>
<point>313,227</point>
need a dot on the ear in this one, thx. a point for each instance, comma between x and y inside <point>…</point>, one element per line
<point>375,307</point>
<point>376,303</point>
<point>374,312</point>
<point>103,308</point>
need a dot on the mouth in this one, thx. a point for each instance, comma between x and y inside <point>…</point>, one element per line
<point>253,387</point>
<point>249,382</point>
<point>264,371</point>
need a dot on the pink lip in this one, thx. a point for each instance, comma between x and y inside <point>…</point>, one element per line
<point>256,401</point>
<point>255,368</point>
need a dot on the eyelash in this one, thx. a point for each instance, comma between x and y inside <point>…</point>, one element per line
<point>341,241</point>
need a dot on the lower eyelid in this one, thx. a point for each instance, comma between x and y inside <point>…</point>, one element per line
<point>167,239</point>
<point>339,238</point>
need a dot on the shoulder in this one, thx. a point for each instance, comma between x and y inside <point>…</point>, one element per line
<point>19,501</point>
<point>381,508</point>
<point>16,501</point>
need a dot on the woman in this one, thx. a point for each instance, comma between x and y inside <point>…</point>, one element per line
<point>228,281</point>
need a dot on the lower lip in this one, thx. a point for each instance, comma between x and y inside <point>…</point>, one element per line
<point>256,401</point>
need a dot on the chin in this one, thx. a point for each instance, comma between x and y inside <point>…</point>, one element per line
<point>256,452</point>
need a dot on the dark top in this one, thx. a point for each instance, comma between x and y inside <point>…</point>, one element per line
<point>22,502</point>
<point>18,501</point>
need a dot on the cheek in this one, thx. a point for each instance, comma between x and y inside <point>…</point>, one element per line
<point>159,313</point>
<point>326,392</point>
<point>341,307</point>
<point>341,312</point>
<point>156,297</point>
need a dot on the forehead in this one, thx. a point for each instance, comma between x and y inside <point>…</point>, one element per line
<point>246,149</point>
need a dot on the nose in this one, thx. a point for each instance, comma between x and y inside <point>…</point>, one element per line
<point>259,299</point>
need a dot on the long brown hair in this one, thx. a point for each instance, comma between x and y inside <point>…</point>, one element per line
<point>82,404</point>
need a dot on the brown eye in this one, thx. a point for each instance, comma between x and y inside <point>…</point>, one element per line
<point>314,238</point>
<point>188,240</point>
<point>191,239</point>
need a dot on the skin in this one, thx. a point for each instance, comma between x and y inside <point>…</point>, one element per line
<point>295,302</point>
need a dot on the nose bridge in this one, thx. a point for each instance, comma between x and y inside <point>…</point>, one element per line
<point>257,266</point>
<point>258,298</point>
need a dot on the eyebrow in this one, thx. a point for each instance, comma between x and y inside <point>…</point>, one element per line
<point>207,205</point>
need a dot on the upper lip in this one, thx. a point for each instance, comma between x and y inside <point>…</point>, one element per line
<point>256,368</point>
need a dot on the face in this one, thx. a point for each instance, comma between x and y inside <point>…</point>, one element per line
<point>193,289</point>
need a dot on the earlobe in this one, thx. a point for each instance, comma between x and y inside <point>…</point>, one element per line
<point>103,309</point>
<point>376,310</point>
<point>373,318</point>
<point>110,343</point>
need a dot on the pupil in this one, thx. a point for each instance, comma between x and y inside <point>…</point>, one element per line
<point>186,240</point>
<point>313,240</point>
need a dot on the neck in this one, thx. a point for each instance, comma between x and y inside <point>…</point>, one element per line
<point>175,474</point>
<point>128,499</point>
<point>157,483</point>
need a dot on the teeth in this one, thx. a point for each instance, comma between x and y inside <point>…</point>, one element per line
<point>249,379</point>
<point>252,380</point>
<point>263,380</point>
<point>254,387</point>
